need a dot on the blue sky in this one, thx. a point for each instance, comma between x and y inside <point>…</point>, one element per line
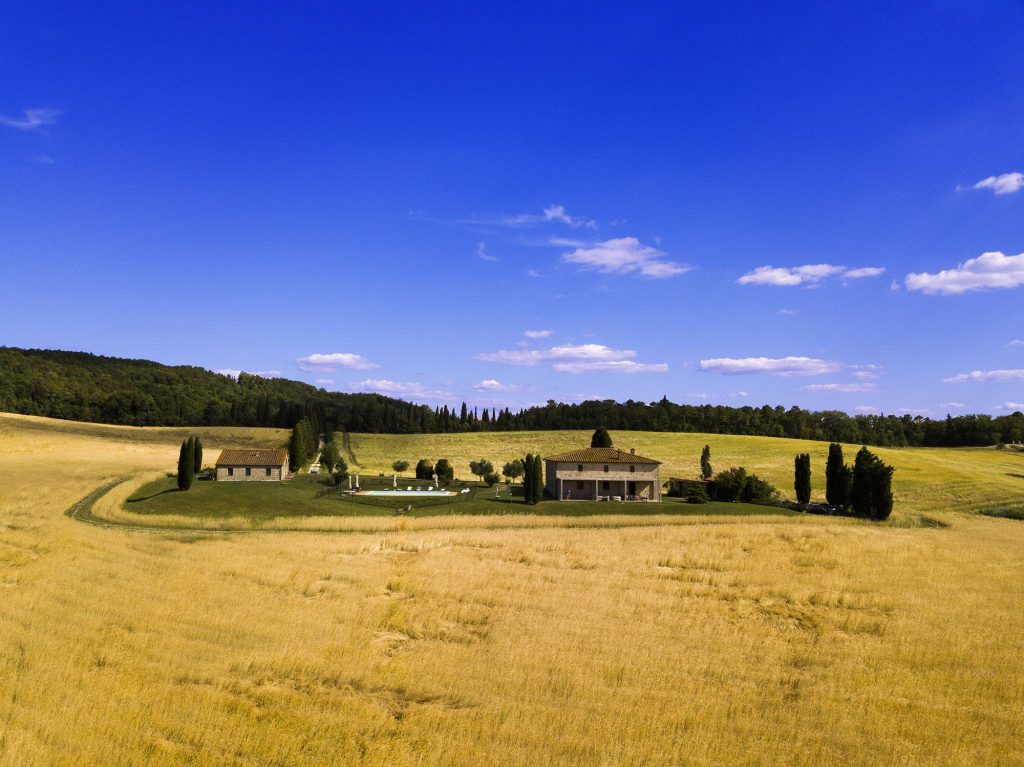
<point>717,202</point>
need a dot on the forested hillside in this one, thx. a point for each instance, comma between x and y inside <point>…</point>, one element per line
<point>87,387</point>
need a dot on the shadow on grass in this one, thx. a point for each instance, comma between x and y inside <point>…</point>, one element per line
<point>486,506</point>
<point>1015,476</point>
<point>138,498</point>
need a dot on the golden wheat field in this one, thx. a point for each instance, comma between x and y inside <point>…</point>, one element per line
<point>696,641</point>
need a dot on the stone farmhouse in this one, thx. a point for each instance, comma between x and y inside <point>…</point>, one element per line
<point>252,465</point>
<point>602,473</point>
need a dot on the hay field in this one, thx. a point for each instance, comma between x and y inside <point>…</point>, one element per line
<point>758,641</point>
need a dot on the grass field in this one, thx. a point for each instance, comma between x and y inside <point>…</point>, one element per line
<point>926,479</point>
<point>689,640</point>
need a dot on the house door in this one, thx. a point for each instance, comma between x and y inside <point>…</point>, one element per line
<point>631,488</point>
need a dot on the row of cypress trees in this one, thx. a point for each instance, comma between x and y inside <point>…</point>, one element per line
<point>190,461</point>
<point>533,479</point>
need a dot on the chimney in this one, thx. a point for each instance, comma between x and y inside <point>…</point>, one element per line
<point>632,451</point>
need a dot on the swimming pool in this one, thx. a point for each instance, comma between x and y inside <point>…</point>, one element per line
<point>405,492</point>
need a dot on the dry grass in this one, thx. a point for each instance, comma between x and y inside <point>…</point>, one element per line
<point>758,642</point>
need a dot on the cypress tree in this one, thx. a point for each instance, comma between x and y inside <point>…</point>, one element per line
<point>183,468</point>
<point>802,478</point>
<point>835,487</point>
<point>528,486</point>
<point>295,450</point>
<point>538,479</point>
<point>601,438</point>
<point>198,450</point>
<point>705,462</point>
<point>186,461</point>
<point>871,490</point>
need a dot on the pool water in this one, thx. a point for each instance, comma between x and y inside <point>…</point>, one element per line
<point>405,492</point>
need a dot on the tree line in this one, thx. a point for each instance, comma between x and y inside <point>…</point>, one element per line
<point>86,387</point>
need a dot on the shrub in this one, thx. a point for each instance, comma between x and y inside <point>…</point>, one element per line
<point>399,466</point>
<point>444,470</point>
<point>491,479</point>
<point>424,469</point>
<point>737,485</point>
<point>696,493</point>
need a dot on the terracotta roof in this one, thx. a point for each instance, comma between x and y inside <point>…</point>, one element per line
<point>600,455</point>
<point>253,458</point>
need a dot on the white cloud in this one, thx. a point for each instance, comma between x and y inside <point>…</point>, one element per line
<point>957,405</point>
<point>865,375</point>
<point>866,271</point>
<point>786,313</point>
<point>557,213</point>
<point>564,352</point>
<point>397,388</point>
<point>716,395</point>
<point>233,373</point>
<point>987,375</point>
<point>576,358</point>
<point>989,270</point>
<point>1006,183</point>
<point>335,361</point>
<point>1015,406</point>
<point>325,381</point>
<point>533,273</point>
<point>538,333</point>
<point>810,274</point>
<point>866,410</point>
<point>1016,342</point>
<point>625,255</point>
<point>778,366</point>
<point>845,388</point>
<point>491,385</point>
<point>553,214</point>
<point>610,366</point>
<point>563,242</point>
<point>481,252</point>
<point>34,119</point>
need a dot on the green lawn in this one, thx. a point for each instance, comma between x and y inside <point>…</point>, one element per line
<point>927,480</point>
<point>297,497</point>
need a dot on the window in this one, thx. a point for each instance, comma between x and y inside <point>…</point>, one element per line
<point>606,468</point>
<point>632,468</point>
<point>248,472</point>
<point>605,485</point>
<point>580,484</point>
<point>268,471</point>
<point>579,467</point>
<point>231,472</point>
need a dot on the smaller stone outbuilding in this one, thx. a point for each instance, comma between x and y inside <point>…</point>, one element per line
<point>252,465</point>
